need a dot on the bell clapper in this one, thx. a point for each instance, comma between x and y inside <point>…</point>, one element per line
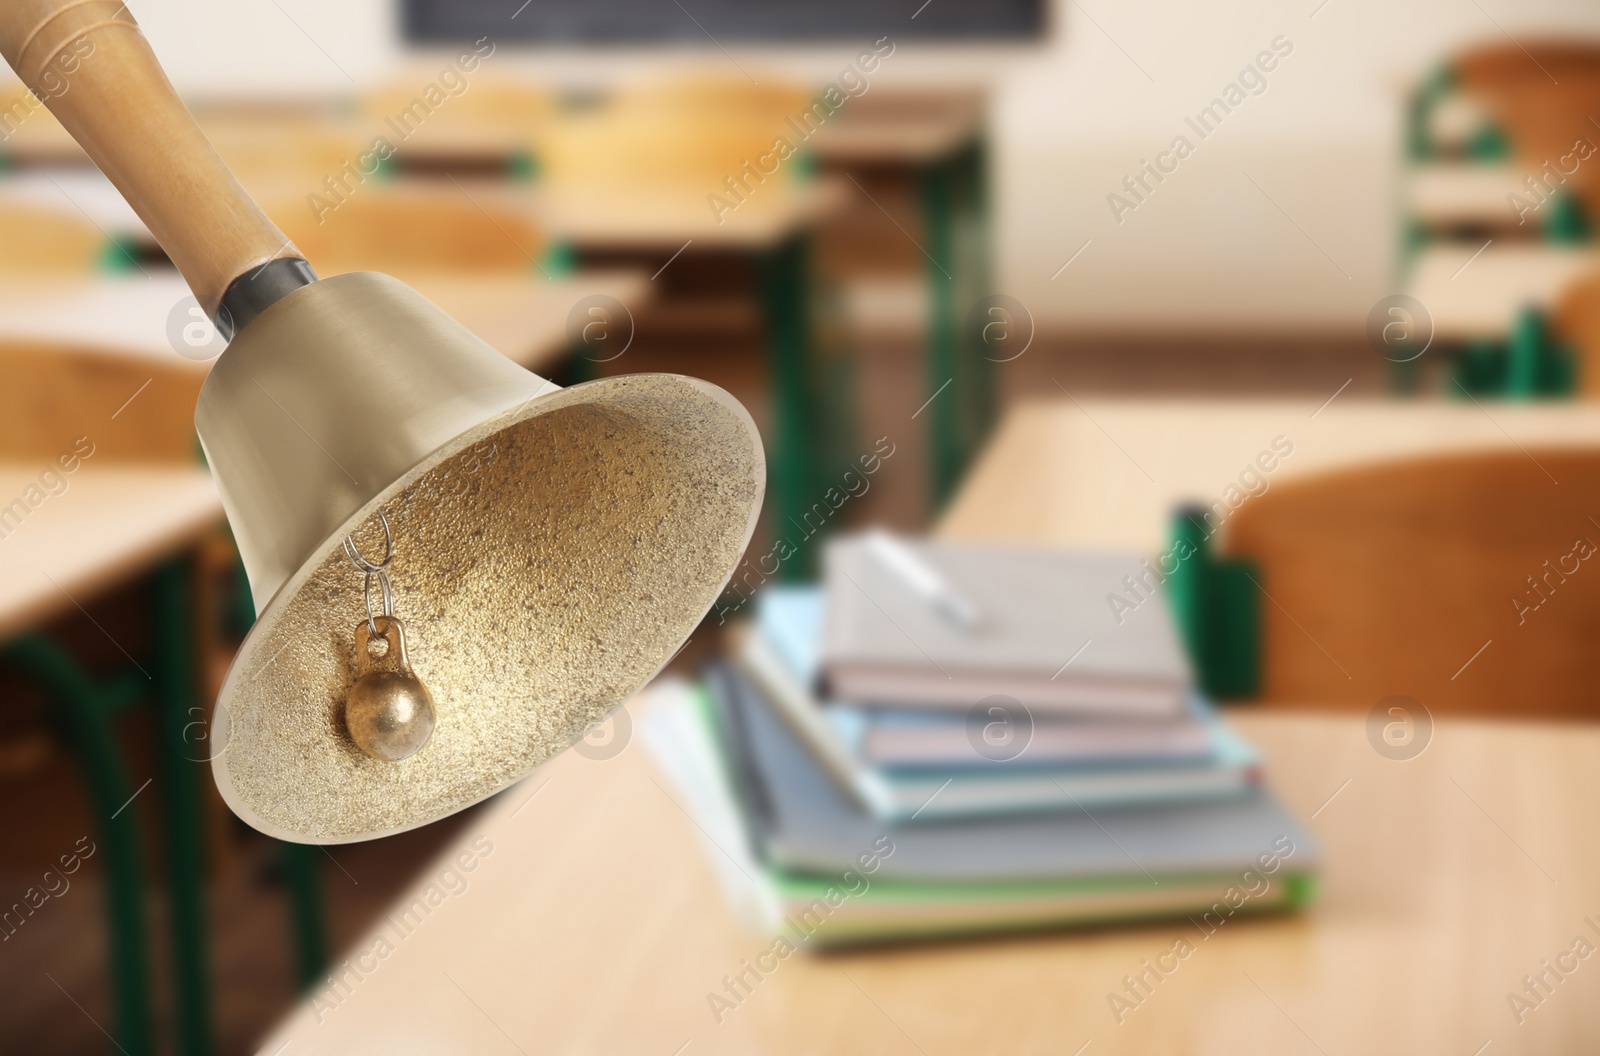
<point>388,711</point>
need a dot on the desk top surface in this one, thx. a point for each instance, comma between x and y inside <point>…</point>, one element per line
<point>592,921</point>
<point>630,218</point>
<point>1109,473</point>
<point>1478,294</point>
<point>66,536</point>
<point>1464,192</point>
<point>595,923</point>
<point>899,135</point>
<point>524,317</point>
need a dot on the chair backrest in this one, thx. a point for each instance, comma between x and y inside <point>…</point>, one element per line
<point>1501,64</point>
<point>42,240</point>
<point>268,145</point>
<point>689,133</point>
<point>1542,96</point>
<point>131,408</point>
<point>1466,582</point>
<point>1576,321</point>
<point>411,231</point>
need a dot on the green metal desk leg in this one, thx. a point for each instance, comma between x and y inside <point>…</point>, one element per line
<point>938,186</point>
<point>973,280</point>
<point>977,279</point>
<point>174,674</point>
<point>90,720</point>
<point>785,275</point>
<point>300,868</point>
<point>579,366</point>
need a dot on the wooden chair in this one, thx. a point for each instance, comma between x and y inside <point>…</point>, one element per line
<point>1494,67</point>
<point>1576,322</point>
<point>59,388</point>
<point>269,146</point>
<point>406,231</point>
<point>54,394</point>
<point>1542,95</point>
<point>1459,581</point>
<point>460,121</point>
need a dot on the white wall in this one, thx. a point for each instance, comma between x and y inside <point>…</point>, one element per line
<point>1073,117</point>
<point>1208,248</point>
<point>273,47</point>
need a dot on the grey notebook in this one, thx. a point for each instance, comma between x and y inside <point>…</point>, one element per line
<point>1057,630</point>
<point>801,821</point>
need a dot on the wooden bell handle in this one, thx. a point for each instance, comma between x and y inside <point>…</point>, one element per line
<point>89,62</point>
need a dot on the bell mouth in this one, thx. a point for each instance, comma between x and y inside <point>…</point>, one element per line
<point>546,564</point>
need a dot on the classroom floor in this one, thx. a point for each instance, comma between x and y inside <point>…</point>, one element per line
<point>62,948</point>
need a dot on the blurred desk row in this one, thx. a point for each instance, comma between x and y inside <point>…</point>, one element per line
<point>518,178</point>
<point>595,924</point>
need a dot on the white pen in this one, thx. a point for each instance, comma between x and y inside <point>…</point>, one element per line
<point>925,580</point>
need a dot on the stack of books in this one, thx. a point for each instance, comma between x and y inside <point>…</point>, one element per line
<point>947,739</point>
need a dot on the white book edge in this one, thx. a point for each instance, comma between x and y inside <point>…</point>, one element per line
<point>682,747</point>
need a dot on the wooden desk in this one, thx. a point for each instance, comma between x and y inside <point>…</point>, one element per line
<point>108,525</point>
<point>1481,299</point>
<point>595,924</point>
<point>900,128</point>
<point>522,316</point>
<point>1466,194</point>
<point>1108,473</point>
<point>112,524</point>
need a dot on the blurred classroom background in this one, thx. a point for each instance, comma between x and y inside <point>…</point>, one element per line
<point>1308,291</point>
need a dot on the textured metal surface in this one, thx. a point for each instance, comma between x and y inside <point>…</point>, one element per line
<point>546,564</point>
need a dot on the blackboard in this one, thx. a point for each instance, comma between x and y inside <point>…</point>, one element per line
<point>722,21</point>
